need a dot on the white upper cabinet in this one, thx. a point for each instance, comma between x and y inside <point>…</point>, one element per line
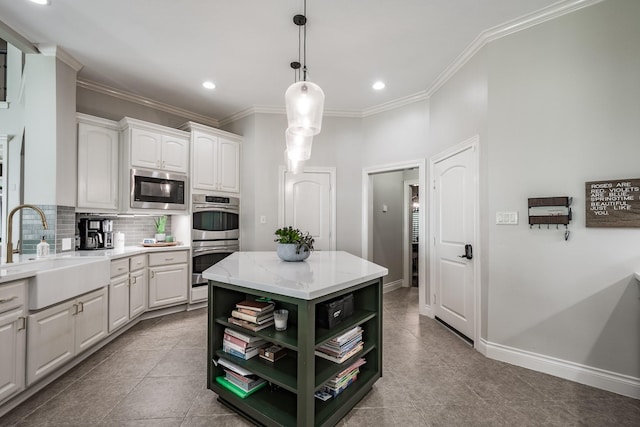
<point>155,147</point>
<point>98,142</point>
<point>215,163</point>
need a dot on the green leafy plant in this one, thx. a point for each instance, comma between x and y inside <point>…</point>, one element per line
<point>160,221</point>
<point>303,241</point>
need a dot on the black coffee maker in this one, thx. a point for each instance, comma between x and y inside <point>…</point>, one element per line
<point>90,233</point>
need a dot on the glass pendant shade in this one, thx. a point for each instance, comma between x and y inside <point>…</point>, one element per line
<point>298,146</point>
<point>293,166</point>
<point>304,102</point>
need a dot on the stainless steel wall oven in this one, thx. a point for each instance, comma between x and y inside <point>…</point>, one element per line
<point>215,234</point>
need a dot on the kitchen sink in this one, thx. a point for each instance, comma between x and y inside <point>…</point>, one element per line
<point>59,279</point>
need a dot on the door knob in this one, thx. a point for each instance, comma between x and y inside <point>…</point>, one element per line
<point>468,252</point>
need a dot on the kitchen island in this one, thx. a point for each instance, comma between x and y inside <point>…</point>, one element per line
<point>299,287</point>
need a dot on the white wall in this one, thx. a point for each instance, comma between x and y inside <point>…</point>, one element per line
<point>563,110</point>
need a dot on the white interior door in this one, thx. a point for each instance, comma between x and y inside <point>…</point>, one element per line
<point>454,199</point>
<point>309,205</point>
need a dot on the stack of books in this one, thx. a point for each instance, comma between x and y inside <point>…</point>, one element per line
<point>342,347</point>
<point>238,380</point>
<point>241,345</point>
<point>253,315</point>
<point>340,382</point>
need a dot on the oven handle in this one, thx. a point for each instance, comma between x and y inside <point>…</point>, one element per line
<point>206,208</point>
<point>214,250</point>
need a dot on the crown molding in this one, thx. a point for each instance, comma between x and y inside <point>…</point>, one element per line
<point>128,96</point>
<point>396,103</point>
<point>265,109</point>
<point>61,54</point>
<point>15,39</point>
<point>519,24</point>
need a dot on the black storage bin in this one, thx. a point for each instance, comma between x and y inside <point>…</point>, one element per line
<point>330,314</point>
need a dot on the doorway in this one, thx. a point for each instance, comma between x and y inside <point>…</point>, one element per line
<point>454,217</point>
<point>371,208</point>
<point>308,202</point>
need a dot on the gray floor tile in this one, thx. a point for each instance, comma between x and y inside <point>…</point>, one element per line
<point>86,401</point>
<point>158,397</point>
<point>182,362</point>
<point>224,420</point>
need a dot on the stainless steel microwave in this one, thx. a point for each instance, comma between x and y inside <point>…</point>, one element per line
<point>158,190</point>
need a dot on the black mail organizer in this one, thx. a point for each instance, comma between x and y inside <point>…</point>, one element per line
<point>550,210</point>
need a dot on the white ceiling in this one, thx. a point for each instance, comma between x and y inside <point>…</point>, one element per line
<point>165,49</point>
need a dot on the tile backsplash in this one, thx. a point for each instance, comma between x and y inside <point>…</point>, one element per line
<point>134,228</point>
<point>63,223</point>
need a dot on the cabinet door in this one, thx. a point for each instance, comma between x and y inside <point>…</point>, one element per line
<point>137,293</point>
<point>204,169</point>
<point>92,319</point>
<point>51,338</point>
<point>97,167</point>
<point>118,302</point>
<point>146,148</point>
<point>175,154</point>
<point>12,352</point>
<point>228,165</point>
<point>168,285</point>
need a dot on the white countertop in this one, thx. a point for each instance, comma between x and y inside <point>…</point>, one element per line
<point>25,266</point>
<point>324,272</point>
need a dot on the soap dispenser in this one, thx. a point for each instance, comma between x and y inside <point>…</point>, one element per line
<point>42,249</point>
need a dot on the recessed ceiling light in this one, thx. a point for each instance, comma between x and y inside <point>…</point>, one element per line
<point>378,85</point>
<point>209,85</point>
<point>41,2</point>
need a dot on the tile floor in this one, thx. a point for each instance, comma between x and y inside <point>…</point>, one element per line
<point>154,375</point>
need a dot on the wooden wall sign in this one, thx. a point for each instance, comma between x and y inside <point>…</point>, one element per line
<point>613,203</point>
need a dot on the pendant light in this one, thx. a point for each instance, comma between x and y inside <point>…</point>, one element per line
<point>304,102</point>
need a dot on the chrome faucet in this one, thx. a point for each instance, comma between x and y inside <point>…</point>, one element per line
<point>10,227</point>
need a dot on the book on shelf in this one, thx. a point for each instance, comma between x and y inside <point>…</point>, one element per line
<point>253,312</point>
<point>336,391</point>
<point>259,319</point>
<point>234,351</point>
<point>348,355</point>
<point>244,337</point>
<point>340,350</point>
<point>224,382</point>
<point>232,366</point>
<point>249,325</point>
<point>242,344</point>
<point>245,350</point>
<point>259,306</point>
<point>346,336</point>
<point>273,352</point>
<point>351,367</point>
<point>242,382</point>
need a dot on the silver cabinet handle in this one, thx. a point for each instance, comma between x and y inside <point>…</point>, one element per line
<point>23,321</point>
<point>2,301</point>
<point>81,306</point>
<point>75,308</point>
<point>168,259</point>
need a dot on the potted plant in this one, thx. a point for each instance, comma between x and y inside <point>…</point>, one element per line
<point>160,222</point>
<point>293,245</point>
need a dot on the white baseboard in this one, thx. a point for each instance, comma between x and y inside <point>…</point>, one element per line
<point>392,286</point>
<point>611,381</point>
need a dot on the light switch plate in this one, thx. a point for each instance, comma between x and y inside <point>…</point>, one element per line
<point>507,218</point>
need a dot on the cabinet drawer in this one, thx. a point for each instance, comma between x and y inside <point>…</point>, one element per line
<point>137,262</point>
<point>12,296</point>
<point>119,267</point>
<point>172,257</point>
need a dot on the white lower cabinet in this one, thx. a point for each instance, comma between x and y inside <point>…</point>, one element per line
<point>127,290</point>
<point>12,339</point>
<point>168,278</point>
<point>58,333</point>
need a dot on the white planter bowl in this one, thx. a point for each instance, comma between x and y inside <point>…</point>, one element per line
<point>287,252</point>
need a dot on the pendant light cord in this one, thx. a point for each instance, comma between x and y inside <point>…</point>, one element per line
<point>304,58</point>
